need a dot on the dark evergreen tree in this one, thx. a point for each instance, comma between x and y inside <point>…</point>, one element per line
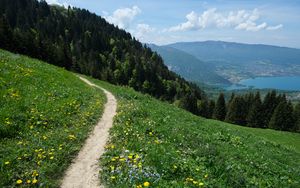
<point>203,108</point>
<point>254,118</point>
<point>211,107</point>
<point>189,103</point>
<point>282,118</point>
<point>269,104</point>
<point>231,98</point>
<point>297,118</point>
<point>220,109</point>
<point>236,111</point>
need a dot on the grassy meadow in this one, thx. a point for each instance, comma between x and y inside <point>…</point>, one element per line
<point>155,144</point>
<point>45,115</point>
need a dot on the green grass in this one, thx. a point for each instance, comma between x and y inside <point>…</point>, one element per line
<point>286,139</point>
<point>155,142</point>
<point>45,115</point>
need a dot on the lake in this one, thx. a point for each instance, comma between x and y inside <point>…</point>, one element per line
<point>281,83</point>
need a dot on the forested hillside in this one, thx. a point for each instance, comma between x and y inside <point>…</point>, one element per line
<point>84,42</point>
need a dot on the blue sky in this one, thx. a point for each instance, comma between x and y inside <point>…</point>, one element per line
<point>275,22</point>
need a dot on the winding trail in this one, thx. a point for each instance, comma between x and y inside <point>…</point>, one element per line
<point>84,171</point>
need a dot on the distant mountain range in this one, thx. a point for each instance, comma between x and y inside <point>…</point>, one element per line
<point>226,62</point>
<point>188,66</point>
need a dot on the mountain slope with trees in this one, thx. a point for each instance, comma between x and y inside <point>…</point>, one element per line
<point>81,41</point>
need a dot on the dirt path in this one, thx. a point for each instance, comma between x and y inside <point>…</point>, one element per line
<point>84,170</point>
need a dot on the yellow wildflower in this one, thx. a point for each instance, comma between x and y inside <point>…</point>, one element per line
<point>206,176</point>
<point>146,184</point>
<point>113,177</point>
<point>201,184</point>
<point>28,181</point>
<point>51,158</point>
<point>34,181</point>
<point>7,162</point>
<point>19,181</point>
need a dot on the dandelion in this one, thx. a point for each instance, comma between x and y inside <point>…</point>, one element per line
<point>201,184</point>
<point>7,163</point>
<point>19,181</point>
<point>28,181</point>
<point>139,186</point>
<point>34,181</point>
<point>146,184</point>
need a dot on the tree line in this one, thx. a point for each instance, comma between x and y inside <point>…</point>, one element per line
<point>83,42</point>
<point>273,112</point>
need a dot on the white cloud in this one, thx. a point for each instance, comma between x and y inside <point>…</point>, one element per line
<point>123,17</point>
<point>143,29</point>
<point>241,20</point>
<point>56,2</point>
<point>276,27</point>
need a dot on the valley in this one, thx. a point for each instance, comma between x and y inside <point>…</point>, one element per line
<point>231,62</point>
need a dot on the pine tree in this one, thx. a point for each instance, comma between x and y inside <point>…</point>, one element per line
<point>236,111</point>
<point>282,118</point>
<point>269,104</point>
<point>297,118</point>
<point>211,107</point>
<point>189,103</point>
<point>231,98</point>
<point>254,118</point>
<point>220,109</point>
<point>203,108</point>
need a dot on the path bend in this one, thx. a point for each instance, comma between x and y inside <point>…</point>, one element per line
<point>84,170</point>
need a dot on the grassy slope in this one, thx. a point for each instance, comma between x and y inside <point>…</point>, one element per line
<point>45,115</point>
<point>168,147</point>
